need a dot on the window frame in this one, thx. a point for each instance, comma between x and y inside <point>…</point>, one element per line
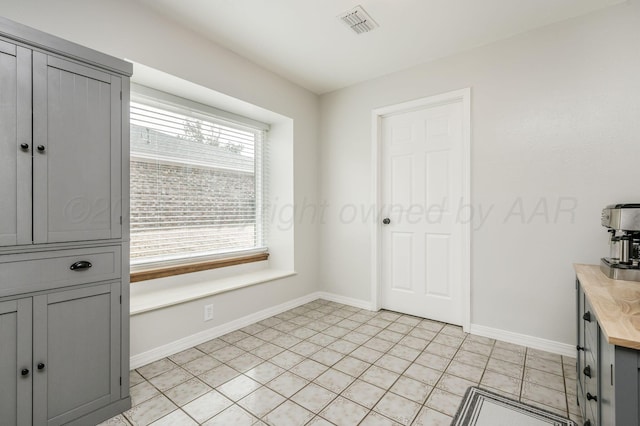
<point>159,269</point>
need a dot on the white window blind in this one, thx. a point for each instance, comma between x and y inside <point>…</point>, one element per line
<point>198,182</point>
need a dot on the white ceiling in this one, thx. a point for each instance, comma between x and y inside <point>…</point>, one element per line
<point>305,42</point>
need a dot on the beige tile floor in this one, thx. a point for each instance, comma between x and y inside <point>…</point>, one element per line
<point>330,364</point>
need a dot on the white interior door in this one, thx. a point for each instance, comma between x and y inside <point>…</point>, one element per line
<point>422,188</point>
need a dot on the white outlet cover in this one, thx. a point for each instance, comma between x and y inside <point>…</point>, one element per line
<point>208,312</point>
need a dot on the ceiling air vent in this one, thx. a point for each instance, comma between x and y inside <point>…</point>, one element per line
<point>358,20</point>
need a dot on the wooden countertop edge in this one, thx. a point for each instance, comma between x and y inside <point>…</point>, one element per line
<point>601,291</point>
<point>624,343</point>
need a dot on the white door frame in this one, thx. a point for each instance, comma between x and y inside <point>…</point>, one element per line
<point>463,95</point>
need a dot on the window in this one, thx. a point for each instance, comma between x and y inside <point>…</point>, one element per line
<point>197,182</point>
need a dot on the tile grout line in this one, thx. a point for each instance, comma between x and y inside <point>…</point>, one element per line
<point>342,316</point>
<point>524,370</point>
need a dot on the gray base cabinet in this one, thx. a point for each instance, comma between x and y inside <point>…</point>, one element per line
<point>608,375</point>
<point>72,338</point>
<point>64,231</point>
<point>16,318</point>
<point>77,332</point>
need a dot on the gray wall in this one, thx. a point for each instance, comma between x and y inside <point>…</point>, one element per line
<point>128,30</point>
<point>555,121</point>
<point>555,117</point>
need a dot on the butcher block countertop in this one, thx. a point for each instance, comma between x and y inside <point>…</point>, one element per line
<point>616,304</point>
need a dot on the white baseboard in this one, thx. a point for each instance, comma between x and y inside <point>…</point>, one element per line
<point>195,339</point>
<point>203,336</point>
<point>356,303</point>
<point>480,330</point>
<point>524,340</point>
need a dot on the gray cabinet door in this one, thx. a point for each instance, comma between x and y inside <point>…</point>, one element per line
<point>77,156</point>
<point>15,356</point>
<point>15,130</point>
<point>580,356</point>
<point>77,339</point>
<point>606,393</point>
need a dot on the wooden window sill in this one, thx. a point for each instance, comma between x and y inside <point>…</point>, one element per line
<point>170,271</point>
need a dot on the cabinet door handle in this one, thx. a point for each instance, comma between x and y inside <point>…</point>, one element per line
<point>587,371</point>
<point>81,265</point>
<point>25,372</point>
<point>587,316</point>
<point>579,348</point>
<point>40,366</point>
<point>24,146</point>
<point>41,148</point>
<point>591,397</point>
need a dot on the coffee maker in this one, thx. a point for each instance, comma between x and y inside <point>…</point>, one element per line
<point>623,221</point>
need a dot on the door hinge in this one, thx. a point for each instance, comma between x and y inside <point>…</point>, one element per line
<point>121,300</point>
<point>120,380</point>
<point>120,95</point>
<point>120,220</point>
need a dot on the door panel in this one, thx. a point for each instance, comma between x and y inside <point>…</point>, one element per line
<point>402,250</point>
<point>77,121</point>
<point>438,130</point>
<point>15,129</point>
<point>15,355</point>
<point>437,185</point>
<point>437,261</point>
<point>422,186</point>
<point>76,337</point>
<point>401,181</point>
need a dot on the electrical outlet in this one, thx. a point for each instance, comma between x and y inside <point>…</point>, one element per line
<point>208,312</point>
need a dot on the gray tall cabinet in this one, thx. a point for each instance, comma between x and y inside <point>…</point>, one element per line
<point>64,253</point>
